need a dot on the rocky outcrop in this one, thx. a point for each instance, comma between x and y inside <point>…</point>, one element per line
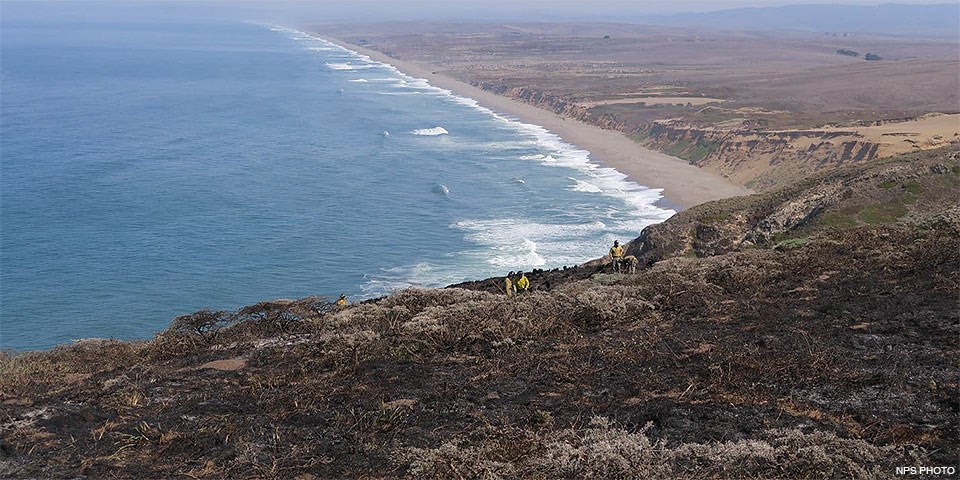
<point>911,188</point>
<point>900,189</point>
<point>795,213</point>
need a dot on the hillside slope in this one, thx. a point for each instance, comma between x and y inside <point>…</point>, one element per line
<point>925,20</point>
<point>808,332</point>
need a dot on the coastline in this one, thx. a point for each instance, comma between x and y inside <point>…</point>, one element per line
<point>683,184</point>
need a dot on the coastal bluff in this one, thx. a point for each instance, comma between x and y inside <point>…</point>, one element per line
<point>807,331</point>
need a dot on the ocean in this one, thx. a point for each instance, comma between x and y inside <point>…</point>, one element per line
<point>151,169</point>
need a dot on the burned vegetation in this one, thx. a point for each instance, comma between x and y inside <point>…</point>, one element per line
<point>805,333</point>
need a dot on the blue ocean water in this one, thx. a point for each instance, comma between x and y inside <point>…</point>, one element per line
<point>149,170</point>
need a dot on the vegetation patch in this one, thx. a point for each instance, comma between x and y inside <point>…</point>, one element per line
<point>678,148</point>
<point>882,213</point>
<point>912,187</point>
<point>715,216</point>
<point>792,243</point>
<point>838,220</point>
<point>701,150</point>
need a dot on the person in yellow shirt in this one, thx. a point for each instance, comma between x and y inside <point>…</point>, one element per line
<point>509,284</point>
<point>616,255</point>
<point>342,301</point>
<point>523,284</point>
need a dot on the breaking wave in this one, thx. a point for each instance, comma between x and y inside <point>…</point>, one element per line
<point>348,66</point>
<point>570,235</point>
<point>431,132</point>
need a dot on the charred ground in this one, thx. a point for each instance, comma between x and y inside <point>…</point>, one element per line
<point>806,332</point>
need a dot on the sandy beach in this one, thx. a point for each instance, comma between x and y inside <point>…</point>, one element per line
<point>683,185</point>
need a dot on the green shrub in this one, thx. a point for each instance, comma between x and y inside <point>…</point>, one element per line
<point>838,220</point>
<point>791,244</point>
<point>882,213</point>
<point>912,187</point>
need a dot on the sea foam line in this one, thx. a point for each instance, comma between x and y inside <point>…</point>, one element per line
<point>505,251</point>
<point>607,180</point>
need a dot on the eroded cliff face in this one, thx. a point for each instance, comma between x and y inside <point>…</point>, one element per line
<point>755,158</point>
<point>559,104</point>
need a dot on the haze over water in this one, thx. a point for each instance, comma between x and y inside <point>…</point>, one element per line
<point>150,170</point>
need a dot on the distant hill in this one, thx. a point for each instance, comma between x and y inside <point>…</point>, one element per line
<point>938,20</point>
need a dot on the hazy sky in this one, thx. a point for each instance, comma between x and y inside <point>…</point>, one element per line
<point>386,10</point>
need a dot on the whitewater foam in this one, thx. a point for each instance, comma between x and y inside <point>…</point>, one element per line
<point>584,186</point>
<point>431,132</point>
<point>562,154</point>
<point>518,243</point>
<point>512,243</point>
<point>348,66</point>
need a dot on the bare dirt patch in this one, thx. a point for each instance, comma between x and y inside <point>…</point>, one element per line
<point>927,132</point>
<point>228,365</point>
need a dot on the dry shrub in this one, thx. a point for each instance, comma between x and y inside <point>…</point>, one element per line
<point>427,324</point>
<point>603,450</point>
<point>353,334</point>
<point>794,454</point>
<point>588,305</point>
<point>277,317</point>
<point>93,355</point>
<point>453,459</point>
<point>417,299</point>
<point>430,317</point>
<point>735,275</point>
<point>203,323</point>
<point>445,326</point>
<point>189,334</point>
<point>353,341</point>
<point>532,316</point>
<point>460,317</point>
<point>41,370</point>
<point>365,316</point>
<point>208,330</point>
<point>390,313</point>
<point>495,319</point>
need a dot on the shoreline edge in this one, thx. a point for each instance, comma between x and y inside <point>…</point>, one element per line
<point>684,185</point>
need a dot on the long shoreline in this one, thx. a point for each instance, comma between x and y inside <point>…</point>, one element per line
<point>683,185</point>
